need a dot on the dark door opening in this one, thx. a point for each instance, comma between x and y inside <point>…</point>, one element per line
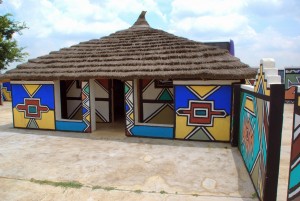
<point>118,101</point>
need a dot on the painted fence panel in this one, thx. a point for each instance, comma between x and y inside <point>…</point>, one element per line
<point>259,130</point>
<point>294,177</point>
<point>292,79</point>
<point>203,112</point>
<point>253,137</point>
<point>33,106</point>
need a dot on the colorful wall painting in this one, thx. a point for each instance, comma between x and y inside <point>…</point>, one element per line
<point>261,85</point>
<point>292,79</point>
<point>253,138</point>
<point>33,106</point>
<point>83,125</point>
<point>103,100</point>
<point>203,112</point>
<point>294,177</point>
<point>73,98</point>
<point>6,91</point>
<point>133,127</point>
<point>157,99</point>
<point>259,128</point>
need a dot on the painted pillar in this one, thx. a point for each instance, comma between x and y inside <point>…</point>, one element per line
<point>86,106</point>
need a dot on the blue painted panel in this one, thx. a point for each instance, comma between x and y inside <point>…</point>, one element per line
<point>126,108</point>
<point>18,94</point>
<point>183,95</point>
<point>70,126</point>
<point>152,131</point>
<point>294,176</point>
<point>7,85</point>
<point>46,95</point>
<point>222,98</point>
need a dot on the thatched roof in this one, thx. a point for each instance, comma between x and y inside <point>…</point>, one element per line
<point>137,52</point>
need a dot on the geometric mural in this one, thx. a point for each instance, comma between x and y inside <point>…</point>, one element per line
<point>260,85</point>
<point>33,106</point>
<point>294,177</point>
<point>292,79</point>
<point>6,91</point>
<point>102,100</point>
<point>86,109</point>
<point>203,112</point>
<point>141,129</point>
<point>128,91</point>
<point>253,138</point>
<point>156,103</point>
<point>73,98</point>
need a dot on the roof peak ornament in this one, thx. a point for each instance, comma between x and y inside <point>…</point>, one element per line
<point>141,21</point>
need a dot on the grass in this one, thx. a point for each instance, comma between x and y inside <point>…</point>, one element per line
<point>138,191</point>
<point>97,187</point>
<point>109,188</point>
<point>64,184</point>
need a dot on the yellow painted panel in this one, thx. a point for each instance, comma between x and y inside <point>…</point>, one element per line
<point>32,88</point>
<point>88,118</point>
<point>182,130</point>
<point>249,105</point>
<point>132,116</point>
<point>6,94</point>
<point>19,120</point>
<point>47,121</point>
<point>298,100</point>
<point>221,129</point>
<point>203,90</point>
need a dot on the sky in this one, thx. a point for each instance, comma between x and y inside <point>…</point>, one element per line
<point>259,28</point>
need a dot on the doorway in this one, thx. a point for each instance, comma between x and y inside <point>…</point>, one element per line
<point>118,101</point>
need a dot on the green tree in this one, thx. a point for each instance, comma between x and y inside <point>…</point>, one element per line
<point>9,50</point>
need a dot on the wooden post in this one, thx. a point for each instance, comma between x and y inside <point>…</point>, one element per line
<point>274,141</point>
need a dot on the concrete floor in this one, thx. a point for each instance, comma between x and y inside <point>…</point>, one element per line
<point>123,168</point>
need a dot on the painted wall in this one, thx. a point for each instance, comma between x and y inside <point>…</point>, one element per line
<point>6,91</point>
<point>294,176</point>
<point>259,129</point>
<point>156,103</point>
<point>103,100</point>
<point>73,98</point>
<point>33,105</point>
<point>83,125</point>
<point>292,79</point>
<point>133,127</point>
<point>203,111</point>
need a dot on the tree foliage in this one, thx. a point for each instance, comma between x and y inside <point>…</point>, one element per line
<point>9,50</point>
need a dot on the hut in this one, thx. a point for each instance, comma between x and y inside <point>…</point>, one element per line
<point>160,84</point>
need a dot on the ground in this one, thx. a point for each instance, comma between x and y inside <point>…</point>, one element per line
<point>106,165</point>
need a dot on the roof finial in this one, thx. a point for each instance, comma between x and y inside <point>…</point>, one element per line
<point>141,21</point>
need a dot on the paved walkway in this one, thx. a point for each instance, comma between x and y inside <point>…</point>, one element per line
<point>110,166</point>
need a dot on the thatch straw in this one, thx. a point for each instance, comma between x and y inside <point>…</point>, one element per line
<point>137,52</point>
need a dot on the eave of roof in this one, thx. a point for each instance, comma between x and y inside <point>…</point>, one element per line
<point>134,53</point>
